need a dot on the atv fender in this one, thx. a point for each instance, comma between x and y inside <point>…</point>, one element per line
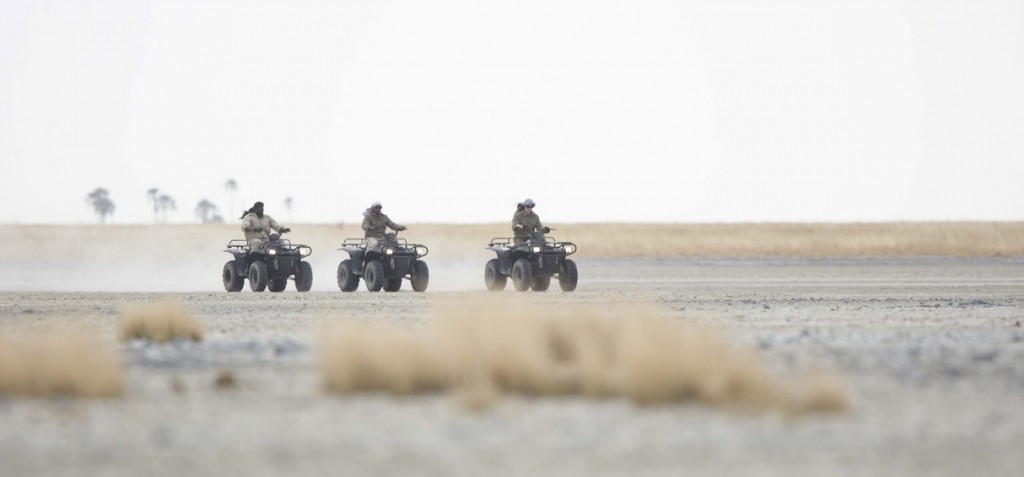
<point>241,262</point>
<point>505,260</point>
<point>356,256</point>
<point>236,254</point>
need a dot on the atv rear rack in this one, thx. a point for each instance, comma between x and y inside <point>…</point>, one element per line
<point>498,242</point>
<point>242,243</point>
<point>508,241</point>
<point>361,242</point>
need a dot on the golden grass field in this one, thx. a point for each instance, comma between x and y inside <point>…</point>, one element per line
<point>624,240</point>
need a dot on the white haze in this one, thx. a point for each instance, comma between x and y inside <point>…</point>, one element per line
<point>190,258</point>
<point>192,274</point>
<point>451,111</point>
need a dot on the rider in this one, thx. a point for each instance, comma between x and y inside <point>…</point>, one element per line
<point>257,227</point>
<point>376,224</point>
<point>525,222</point>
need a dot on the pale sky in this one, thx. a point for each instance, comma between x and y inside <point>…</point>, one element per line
<point>453,111</point>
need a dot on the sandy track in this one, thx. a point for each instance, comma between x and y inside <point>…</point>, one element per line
<point>932,351</point>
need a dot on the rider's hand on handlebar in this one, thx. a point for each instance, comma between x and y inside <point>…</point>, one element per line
<point>284,230</point>
<point>517,227</point>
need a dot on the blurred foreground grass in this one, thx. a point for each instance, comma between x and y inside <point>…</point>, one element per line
<point>481,350</point>
<point>59,362</point>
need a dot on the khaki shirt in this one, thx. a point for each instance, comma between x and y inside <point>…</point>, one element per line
<point>376,225</point>
<point>530,222</point>
<point>258,228</point>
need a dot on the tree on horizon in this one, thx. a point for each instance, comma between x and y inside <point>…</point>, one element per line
<point>152,194</point>
<point>231,186</point>
<point>102,205</point>
<point>288,206</point>
<point>206,212</point>
<point>165,203</point>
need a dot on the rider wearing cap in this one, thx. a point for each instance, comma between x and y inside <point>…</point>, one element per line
<point>525,222</point>
<point>376,224</point>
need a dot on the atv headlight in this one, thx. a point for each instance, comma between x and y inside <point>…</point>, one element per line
<point>536,249</point>
<point>389,251</point>
<point>272,251</point>
<point>421,251</point>
<point>305,251</point>
<point>570,248</point>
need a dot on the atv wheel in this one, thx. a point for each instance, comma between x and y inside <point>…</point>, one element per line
<point>277,285</point>
<point>493,278</point>
<point>233,282</point>
<point>393,284</point>
<point>522,275</point>
<point>258,276</point>
<point>568,276</point>
<point>347,281</point>
<point>541,283</point>
<point>420,276</point>
<point>304,277</point>
<point>374,275</point>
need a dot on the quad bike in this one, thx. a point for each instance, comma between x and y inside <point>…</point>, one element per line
<point>269,267</point>
<point>383,265</point>
<point>532,265</point>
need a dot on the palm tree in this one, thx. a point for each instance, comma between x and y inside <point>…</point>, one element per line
<point>101,204</point>
<point>206,211</point>
<point>152,194</point>
<point>164,203</point>
<point>231,186</point>
<point>288,205</point>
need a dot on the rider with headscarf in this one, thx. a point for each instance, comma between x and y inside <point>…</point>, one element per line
<point>257,226</point>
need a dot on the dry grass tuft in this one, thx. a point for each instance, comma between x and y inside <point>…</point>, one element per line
<point>824,392</point>
<point>361,357</point>
<point>225,380</point>
<point>159,323</point>
<point>59,363</point>
<point>626,353</point>
<point>879,239</point>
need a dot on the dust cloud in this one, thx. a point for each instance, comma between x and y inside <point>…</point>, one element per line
<point>188,258</point>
